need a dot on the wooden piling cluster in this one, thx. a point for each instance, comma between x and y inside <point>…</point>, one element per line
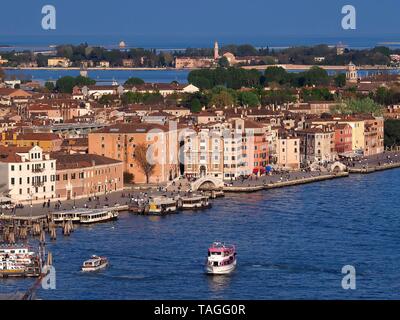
<point>14,229</point>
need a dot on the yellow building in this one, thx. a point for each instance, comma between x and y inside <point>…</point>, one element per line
<point>58,62</point>
<point>49,142</point>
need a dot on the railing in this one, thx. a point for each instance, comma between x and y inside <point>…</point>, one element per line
<point>37,170</point>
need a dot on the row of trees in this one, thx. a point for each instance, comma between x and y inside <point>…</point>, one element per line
<point>235,78</point>
<point>66,84</point>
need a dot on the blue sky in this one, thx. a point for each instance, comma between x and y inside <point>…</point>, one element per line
<point>188,19</point>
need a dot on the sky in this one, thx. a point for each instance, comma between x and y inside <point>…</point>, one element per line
<point>186,20</point>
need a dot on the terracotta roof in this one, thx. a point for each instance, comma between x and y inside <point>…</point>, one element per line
<point>132,128</point>
<point>75,161</point>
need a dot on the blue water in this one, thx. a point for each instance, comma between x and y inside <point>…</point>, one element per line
<point>120,76</point>
<point>292,244</point>
<point>103,76</point>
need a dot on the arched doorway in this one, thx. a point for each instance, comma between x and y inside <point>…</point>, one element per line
<point>203,171</point>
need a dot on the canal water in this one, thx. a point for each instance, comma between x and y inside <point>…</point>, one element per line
<point>292,244</point>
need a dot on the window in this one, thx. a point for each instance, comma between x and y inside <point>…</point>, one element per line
<point>13,181</point>
<point>12,168</point>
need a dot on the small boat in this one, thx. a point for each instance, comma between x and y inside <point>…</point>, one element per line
<point>95,263</point>
<point>221,258</point>
<point>98,215</point>
<point>194,202</point>
<point>161,206</point>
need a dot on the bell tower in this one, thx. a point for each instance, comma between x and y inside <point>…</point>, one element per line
<point>216,51</point>
<point>351,74</point>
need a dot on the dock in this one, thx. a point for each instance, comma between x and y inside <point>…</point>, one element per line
<point>372,169</point>
<point>285,183</point>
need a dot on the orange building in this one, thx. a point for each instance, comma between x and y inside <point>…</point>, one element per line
<point>343,138</point>
<point>84,175</point>
<point>119,142</point>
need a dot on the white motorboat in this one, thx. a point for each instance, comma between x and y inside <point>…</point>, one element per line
<point>95,263</point>
<point>221,259</point>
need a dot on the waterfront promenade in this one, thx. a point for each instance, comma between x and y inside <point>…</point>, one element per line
<point>121,199</point>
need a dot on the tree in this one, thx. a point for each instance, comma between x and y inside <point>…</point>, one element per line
<point>67,83</point>
<point>340,80</point>
<point>128,177</point>
<point>392,132</point>
<point>364,105</point>
<point>222,99</point>
<point>134,81</point>
<point>249,99</point>
<point>141,159</point>
<point>224,62</point>
<point>49,85</point>
<point>276,74</point>
<point>84,81</point>
<point>195,105</point>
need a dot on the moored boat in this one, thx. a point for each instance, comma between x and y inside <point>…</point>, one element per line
<point>161,206</point>
<point>9,268</point>
<point>194,202</point>
<point>98,215</point>
<point>72,215</point>
<point>221,258</point>
<point>95,263</point>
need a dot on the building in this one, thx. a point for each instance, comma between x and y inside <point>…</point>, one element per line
<point>254,146</point>
<point>288,153</point>
<point>216,51</point>
<point>351,74</point>
<point>317,144</point>
<point>3,61</point>
<point>193,63</point>
<point>85,175</point>
<point>48,142</point>
<point>8,96</point>
<point>203,153</point>
<point>373,135</point>
<point>58,62</point>
<point>164,89</point>
<point>27,173</point>
<point>120,141</point>
<point>104,64</point>
<point>343,138</point>
<point>128,63</point>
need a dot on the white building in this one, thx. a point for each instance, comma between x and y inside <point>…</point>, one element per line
<point>233,150</point>
<point>27,174</point>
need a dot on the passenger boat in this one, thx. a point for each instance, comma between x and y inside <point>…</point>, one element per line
<point>18,260</point>
<point>9,268</point>
<point>95,263</point>
<point>221,259</point>
<point>162,205</point>
<point>194,202</point>
<point>18,253</point>
<point>72,215</point>
<point>98,215</point>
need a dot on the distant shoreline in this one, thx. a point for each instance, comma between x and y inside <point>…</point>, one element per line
<point>257,67</point>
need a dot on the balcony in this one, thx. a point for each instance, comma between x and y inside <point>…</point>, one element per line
<point>38,183</point>
<point>37,170</point>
